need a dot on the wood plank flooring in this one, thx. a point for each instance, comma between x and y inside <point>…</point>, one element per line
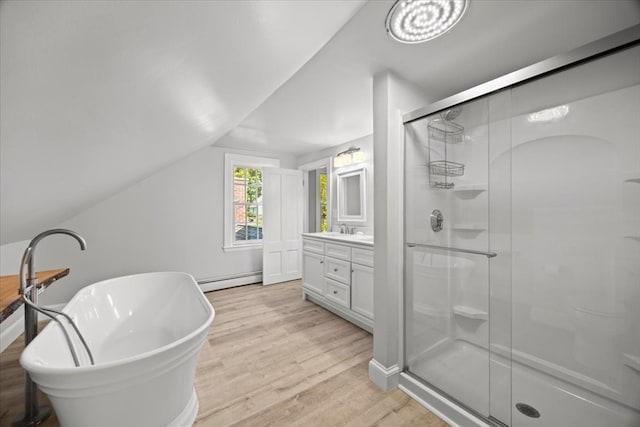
<point>271,359</point>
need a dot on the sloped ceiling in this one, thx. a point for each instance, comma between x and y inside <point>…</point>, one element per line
<point>329,101</point>
<point>95,95</point>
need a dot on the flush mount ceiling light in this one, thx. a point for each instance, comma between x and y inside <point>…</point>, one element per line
<point>416,21</point>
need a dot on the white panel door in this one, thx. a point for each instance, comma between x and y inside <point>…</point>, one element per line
<point>282,216</point>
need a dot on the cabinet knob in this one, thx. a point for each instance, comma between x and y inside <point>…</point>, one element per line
<point>335,269</point>
<point>321,262</point>
<point>335,292</point>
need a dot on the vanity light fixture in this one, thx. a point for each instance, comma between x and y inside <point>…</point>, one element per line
<point>347,157</point>
<point>416,21</point>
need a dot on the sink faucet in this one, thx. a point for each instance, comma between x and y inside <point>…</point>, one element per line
<point>33,414</point>
<point>343,229</point>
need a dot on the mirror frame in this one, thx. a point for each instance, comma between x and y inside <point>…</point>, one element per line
<point>340,193</point>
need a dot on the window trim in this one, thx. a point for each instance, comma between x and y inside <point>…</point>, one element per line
<point>231,161</point>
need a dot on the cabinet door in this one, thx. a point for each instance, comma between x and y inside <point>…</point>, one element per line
<point>312,271</point>
<point>362,290</point>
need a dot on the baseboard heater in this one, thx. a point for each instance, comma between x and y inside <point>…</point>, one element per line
<point>229,281</point>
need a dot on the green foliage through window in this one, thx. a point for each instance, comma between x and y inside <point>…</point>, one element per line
<point>247,201</point>
<point>324,203</point>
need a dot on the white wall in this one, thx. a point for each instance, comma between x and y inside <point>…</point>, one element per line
<point>10,256</point>
<point>392,97</point>
<point>172,220</point>
<point>366,146</point>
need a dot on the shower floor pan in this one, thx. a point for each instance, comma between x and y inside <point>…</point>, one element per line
<point>460,368</point>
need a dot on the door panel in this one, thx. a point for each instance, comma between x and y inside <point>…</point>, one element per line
<point>282,241</point>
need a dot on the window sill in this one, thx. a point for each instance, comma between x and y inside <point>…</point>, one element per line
<point>239,248</point>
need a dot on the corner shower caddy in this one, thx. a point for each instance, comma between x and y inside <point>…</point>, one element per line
<point>445,131</point>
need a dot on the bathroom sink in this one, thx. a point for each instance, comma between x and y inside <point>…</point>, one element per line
<point>362,237</point>
<point>344,237</point>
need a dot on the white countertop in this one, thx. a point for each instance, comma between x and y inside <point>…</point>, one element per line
<point>361,239</point>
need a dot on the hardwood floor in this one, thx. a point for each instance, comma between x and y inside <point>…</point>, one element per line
<point>271,359</point>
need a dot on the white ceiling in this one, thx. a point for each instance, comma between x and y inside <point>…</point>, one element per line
<point>97,95</point>
<point>329,101</point>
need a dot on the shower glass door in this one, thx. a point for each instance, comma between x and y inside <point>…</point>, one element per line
<point>447,254</point>
<point>575,154</point>
<point>545,175</point>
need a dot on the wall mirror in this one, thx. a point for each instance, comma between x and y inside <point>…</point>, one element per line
<point>351,195</point>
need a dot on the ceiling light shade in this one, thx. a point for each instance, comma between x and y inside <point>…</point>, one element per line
<point>416,21</point>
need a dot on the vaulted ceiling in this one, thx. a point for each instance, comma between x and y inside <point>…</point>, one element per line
<point>95,95</point>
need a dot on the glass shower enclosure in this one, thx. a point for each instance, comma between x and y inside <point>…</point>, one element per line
<point>522,255</point>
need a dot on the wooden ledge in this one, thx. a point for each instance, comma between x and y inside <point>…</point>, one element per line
<point>9,289</point>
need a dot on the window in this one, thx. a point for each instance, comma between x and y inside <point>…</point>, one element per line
<point>247,204</point>
<point>323,183</point>
<point>243,200</point>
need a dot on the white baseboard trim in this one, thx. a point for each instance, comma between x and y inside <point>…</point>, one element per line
<point>385,378</point>
<point>13,326</point>
<point>215,284</point>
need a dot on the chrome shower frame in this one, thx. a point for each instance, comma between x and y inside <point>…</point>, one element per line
<point>441,404</point>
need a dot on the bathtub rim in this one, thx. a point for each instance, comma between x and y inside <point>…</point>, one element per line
<point>39,369</point>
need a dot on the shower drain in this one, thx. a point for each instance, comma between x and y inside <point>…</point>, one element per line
<point>528,410</point>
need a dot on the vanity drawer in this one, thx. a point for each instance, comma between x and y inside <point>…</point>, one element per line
<point>337,292</point>
<point>362,256</point>
<point>309,245</point>
<point>338,251</point>
<point>338,270</point>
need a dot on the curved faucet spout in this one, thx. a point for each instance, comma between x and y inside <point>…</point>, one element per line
<point>27,257</point>
<point>28,285</point>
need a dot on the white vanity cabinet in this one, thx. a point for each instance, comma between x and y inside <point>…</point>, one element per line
<point>313,271</point>
<point>362,282</point>
<point>338,275</point>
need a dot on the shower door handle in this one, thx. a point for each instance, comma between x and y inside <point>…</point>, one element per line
<point>448,248</point>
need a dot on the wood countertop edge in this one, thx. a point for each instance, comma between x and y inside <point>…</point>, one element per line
<point>9,285</point>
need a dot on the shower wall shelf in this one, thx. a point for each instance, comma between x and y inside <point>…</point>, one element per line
<point>469,227</point>
<point>470,312</point>
<point>636,238</point>
<point>471,189</point>
<point>446,131</point>
<point>444,185</point>
<point>446,168</point>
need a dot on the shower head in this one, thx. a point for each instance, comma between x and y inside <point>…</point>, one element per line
<point>451,113</point>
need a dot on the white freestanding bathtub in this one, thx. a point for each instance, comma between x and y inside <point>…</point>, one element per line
<point>145,332</point>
